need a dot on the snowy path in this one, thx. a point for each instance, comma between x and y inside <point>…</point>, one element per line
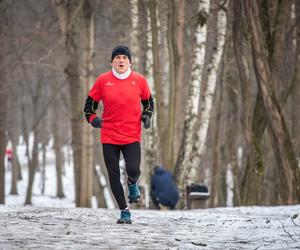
<point>221,228</point>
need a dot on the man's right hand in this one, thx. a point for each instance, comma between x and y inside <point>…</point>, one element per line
<point>146,121</point>
<point>97,123</point>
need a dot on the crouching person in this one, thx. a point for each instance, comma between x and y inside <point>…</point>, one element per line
<point>164,191</point>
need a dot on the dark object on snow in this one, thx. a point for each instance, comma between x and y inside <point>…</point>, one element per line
<point>196,192</point>
<point>163,188</point>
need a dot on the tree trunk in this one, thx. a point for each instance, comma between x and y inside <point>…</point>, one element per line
<point>32,166</point>
<point>87,164</point>
<point>15,170</point>
<point>3,108</point>
<point>296,91</point>
<point>157,79</point>
<point>216,172</point>
<point>25,131</point>
<point>173,64</point>
<point>251,180</point>
<point>77,26</point>
<point>57,148</point>
<point>275,43</point>
<point>13,135</point>
<point>43,170</point>
<point>98,190</point>
<point>282,147</point>
<point>179,78</point>
<point>282,20</point>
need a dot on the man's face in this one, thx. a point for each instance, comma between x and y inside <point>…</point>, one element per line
<point>121,63</point>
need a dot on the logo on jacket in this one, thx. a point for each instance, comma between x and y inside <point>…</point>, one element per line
<point>109,84</point>
<point>133,82</point>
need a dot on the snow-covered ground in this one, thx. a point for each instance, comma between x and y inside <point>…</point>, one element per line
<point>52,223</point>
<point>221,228</point>
<point>49,198</point>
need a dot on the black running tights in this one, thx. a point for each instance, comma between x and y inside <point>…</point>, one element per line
<point>132,156</point>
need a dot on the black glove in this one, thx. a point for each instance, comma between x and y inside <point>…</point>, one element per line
<point>97,123</point>
<point>146,121</point>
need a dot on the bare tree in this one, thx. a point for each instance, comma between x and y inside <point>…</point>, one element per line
<point>296,87</point>
<point>175,41</point>
<point>180,92</point>
<point>252,179</point>
<point>278,130</point>
<point>157,76</point>
<point>77,26</point>
<point>3,100</point>
<point>57,144</point>
<point>36,132</point>
<point>173,57</point>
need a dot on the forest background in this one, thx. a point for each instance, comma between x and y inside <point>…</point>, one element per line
<point>224,76</point>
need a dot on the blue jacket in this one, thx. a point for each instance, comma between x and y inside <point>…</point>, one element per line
<point>164,187</point>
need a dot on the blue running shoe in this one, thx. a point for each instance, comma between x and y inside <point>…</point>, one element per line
<point>125,217</point>
<point>134,193</point>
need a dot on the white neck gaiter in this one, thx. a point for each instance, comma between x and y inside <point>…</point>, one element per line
<point>123,75</point>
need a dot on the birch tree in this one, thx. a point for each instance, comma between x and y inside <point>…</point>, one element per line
<point>182,166</point>
<point>207,102</point>
<point>190,170</point>
<point>206,105</point>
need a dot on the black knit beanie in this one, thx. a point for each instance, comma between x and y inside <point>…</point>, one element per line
<point>120,50</point>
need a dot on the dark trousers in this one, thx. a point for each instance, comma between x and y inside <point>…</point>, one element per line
<point>132,156</point>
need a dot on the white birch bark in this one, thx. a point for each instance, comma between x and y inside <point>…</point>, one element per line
<point>191,112</point>
<point>206,105</point>
<point>134,34</point>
